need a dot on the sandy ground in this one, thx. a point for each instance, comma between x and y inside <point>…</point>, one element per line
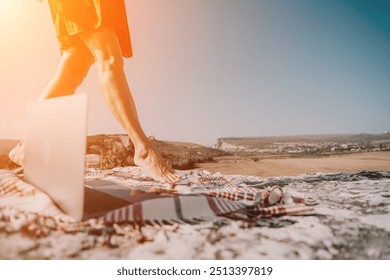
<point>373,161</point>
<point>351,221</point>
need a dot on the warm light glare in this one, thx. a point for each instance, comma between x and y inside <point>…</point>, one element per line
<point>7,7</point>
<point>207,69</point>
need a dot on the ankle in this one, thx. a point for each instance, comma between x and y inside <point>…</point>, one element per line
<point>142,152</point>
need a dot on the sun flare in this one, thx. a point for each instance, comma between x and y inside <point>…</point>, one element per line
<point>7,7</point>
<point>6,4</point>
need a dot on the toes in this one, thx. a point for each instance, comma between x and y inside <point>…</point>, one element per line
<point>170,177</point>
<point>173,178</point>
<point>163,173</point>
<point>176,178</point>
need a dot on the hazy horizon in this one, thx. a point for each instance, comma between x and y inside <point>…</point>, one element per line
<point>207,69</point>
<point>7,143</point>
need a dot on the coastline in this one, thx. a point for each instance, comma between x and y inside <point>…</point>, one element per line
<point>270,167</point>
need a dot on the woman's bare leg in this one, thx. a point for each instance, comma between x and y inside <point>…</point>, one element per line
<point>103,43</point>
<point>71,71</point>
<point>72,68</point>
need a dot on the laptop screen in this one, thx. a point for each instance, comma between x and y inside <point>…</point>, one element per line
<point>55,150</point>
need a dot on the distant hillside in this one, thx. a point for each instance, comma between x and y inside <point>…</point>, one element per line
<point>7,145</point>
<point>306,143</point>
<point>108,151</point>
<point>183,155</point>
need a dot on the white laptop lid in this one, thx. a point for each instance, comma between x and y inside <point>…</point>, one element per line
<point>55,150</point>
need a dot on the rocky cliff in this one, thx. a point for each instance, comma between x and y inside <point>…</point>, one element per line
<point>108,151</point>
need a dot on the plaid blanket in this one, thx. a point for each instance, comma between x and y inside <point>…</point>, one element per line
<point>199,196</point>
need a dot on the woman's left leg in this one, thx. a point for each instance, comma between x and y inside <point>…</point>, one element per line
<point>72,68</point>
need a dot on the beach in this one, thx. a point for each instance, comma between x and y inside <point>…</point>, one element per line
<point>372,161</point>
<point>350,221</point>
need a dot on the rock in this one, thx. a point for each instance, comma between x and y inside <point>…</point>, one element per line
<point>15,246</point>
<point>351,222</point>
<point>115,150</point>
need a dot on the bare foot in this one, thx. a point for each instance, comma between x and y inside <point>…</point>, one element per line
<point>17,153</point>
<point>155,166</point>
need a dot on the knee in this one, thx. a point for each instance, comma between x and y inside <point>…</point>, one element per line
<point>103,44</point>
<point>110,64</point>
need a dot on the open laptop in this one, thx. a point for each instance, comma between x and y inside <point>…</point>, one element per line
<point>55,158</point>
<point>55,146</point>
<point>55,162</point>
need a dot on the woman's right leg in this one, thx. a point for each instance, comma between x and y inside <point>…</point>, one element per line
<point>71,71</point>
<point>104,45</point>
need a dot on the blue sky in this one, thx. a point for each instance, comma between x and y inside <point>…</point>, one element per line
<point>204,69</point>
